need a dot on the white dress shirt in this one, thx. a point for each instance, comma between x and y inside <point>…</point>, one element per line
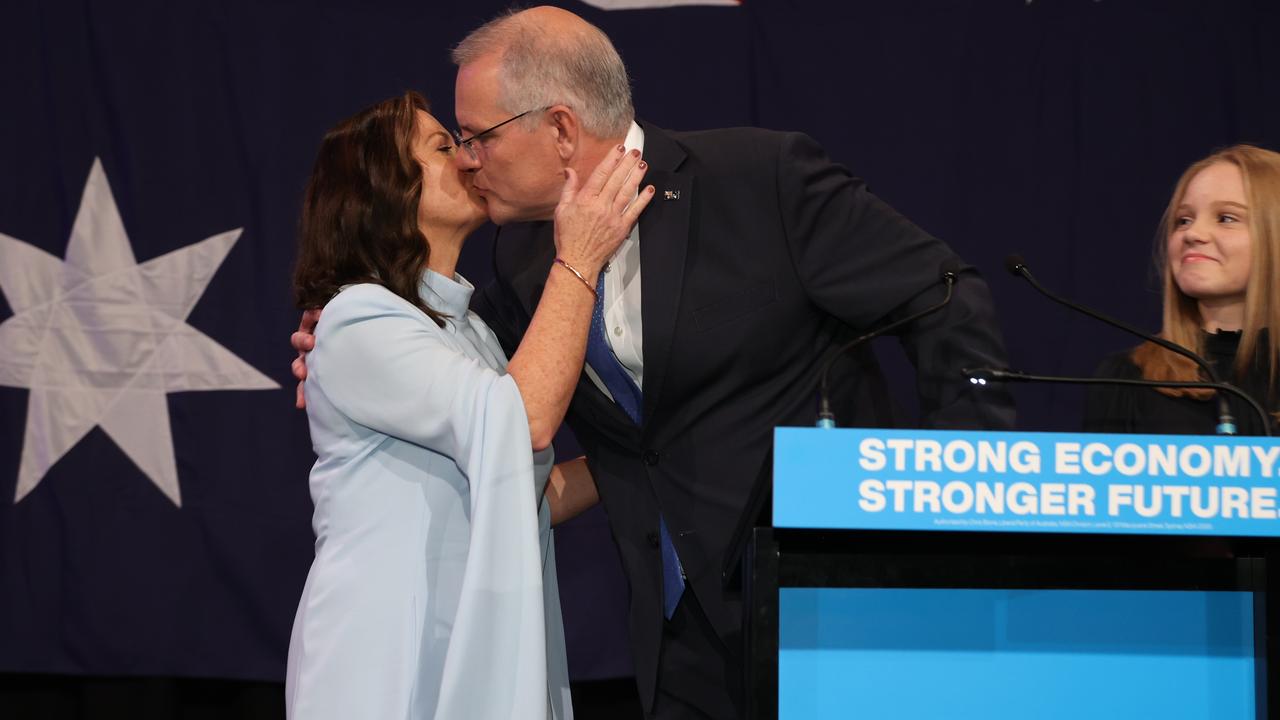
<point>622,323</point>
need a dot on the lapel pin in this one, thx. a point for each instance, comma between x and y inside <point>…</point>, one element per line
<point>670,194</point>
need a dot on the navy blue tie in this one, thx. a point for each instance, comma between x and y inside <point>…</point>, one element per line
<point>627,395</point>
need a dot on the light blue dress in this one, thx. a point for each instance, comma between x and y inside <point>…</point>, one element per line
<point>433,590</point>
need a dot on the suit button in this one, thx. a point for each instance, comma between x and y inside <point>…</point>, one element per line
<point>652,538</point>
<point>651,457</point>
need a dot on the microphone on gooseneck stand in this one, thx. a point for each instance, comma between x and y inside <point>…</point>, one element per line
<point>1226,423</point>
<point>985,375</point>
<point>949,271</point>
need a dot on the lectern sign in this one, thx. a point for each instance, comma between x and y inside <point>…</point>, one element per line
<point>1026,482</point>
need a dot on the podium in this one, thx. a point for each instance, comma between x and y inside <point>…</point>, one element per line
<point>967,574</point>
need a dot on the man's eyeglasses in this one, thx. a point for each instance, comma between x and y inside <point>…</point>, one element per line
<point>466,143</point>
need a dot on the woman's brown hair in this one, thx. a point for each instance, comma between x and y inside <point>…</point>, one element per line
<point>1260,339</point>
<point>360,210</point>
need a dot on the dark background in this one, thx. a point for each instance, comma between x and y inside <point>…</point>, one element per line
<point>1055,128</point>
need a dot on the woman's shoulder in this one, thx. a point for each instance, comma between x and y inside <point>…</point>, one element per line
<point>366,301</point>
<point>1118,365</point>
<point>366,293</point>
<point>1112,408</point>
<point>366,327</point>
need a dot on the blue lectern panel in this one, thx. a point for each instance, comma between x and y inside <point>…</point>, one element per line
<point>1026,482</point>
<point>991,654</point>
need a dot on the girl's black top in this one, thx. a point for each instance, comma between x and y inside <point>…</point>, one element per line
<point>1126,409</point>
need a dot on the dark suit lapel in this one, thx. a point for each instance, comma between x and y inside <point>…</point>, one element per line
<point>664,238</point>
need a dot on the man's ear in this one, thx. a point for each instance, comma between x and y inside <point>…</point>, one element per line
<point>563,121</point>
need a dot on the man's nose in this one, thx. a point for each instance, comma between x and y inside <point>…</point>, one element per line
<point>465,161</point>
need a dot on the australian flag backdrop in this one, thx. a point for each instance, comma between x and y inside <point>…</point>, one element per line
<point>154,511</point>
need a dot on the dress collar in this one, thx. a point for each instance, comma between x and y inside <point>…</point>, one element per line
<point>1222,342</point>
<point>450,296</point>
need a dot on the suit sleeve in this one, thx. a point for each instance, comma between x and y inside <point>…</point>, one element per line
<point>867,265</point>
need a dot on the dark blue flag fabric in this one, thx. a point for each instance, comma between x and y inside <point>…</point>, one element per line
<point>154,510</point>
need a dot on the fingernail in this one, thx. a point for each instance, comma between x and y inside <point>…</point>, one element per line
<point>621,148</point>
<point>643,165</point>
<point>635,153</point>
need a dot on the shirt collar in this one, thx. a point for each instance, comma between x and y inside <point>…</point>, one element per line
<point>635,138</point>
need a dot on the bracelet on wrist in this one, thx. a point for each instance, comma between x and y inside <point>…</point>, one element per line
<point>576,274</point>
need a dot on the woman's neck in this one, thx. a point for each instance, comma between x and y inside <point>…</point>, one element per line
<point>1221,315</point>
<point>445,246</point>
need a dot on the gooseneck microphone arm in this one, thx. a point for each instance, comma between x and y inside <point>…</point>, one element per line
<point>1226,423</point>
<point>826,419</point>
<point>982,376</point>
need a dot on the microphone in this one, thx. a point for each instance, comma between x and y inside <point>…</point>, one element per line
<point>1226,423</point>
<point>985,375</point>
<point>949,271</point>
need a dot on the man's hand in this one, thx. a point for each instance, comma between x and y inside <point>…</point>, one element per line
<point>304,341</point>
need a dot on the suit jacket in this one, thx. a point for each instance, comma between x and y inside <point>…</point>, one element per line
<point>759,255</point>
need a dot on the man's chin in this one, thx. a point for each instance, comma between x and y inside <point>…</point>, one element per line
<point>506,215</point>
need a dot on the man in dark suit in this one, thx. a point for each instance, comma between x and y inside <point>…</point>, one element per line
<point>758,256</point>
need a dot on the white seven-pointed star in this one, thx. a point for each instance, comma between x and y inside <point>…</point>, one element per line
<point>100,340</point>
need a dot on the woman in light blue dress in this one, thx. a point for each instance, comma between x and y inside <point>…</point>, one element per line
<point>433,589</point>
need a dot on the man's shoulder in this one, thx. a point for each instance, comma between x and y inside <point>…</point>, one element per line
<point>730,141</point>
<point>741,134</point>
<point>730,149</point>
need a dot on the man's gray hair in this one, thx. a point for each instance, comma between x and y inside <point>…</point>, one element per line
<point>540,69</point>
